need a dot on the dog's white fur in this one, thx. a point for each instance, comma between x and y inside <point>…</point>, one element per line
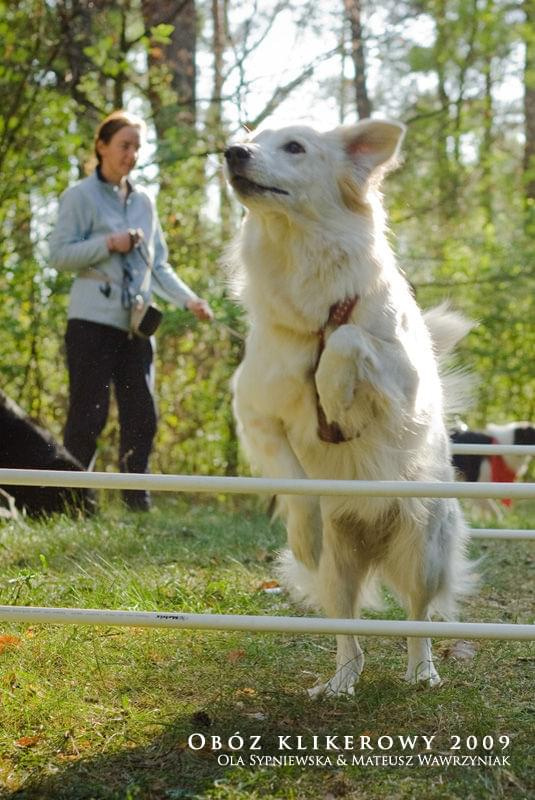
<point>314,235</point>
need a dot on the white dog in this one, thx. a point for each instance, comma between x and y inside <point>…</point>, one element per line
<point>340,379</point>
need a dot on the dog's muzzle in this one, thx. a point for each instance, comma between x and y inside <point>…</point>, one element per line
<point>238,158</point>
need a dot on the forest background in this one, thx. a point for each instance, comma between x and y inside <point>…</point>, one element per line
<point>459,73</point>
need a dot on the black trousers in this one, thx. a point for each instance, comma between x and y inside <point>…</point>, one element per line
<point>97,356</point>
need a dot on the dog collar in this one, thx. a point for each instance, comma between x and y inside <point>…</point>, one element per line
<point>339,314</point>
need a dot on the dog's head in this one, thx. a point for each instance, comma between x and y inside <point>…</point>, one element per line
<point>297,169</point>
<point>524,433</point>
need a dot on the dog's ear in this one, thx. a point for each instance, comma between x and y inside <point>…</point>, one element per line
<point>372,143</point>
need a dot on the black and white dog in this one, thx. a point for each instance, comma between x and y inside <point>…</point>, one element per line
<point>24,445</point>
<point>496,468</point>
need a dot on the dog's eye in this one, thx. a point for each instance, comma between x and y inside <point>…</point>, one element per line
<point>294,147</point>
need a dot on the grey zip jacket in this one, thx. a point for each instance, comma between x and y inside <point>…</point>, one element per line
<point>88,213</point>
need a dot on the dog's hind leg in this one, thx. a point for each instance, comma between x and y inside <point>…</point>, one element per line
<point>420,667</point>
<point>440,574</point>
<point>417,573</point>
<point>303,526</point>
<point>414,587</point>
<point>341,579</point>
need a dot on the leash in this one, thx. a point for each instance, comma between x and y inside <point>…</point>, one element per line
<point>229,330</point>
<point>106,282</point>
<point>143,251</point>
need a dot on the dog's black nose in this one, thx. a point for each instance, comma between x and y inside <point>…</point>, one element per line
<point>237,154</point>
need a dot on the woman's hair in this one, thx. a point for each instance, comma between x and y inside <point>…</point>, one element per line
<point>113,123</point>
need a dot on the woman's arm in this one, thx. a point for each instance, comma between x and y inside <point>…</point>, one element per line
<point>71,245</point>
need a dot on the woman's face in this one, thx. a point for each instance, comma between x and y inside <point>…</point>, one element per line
<point>119,155</point>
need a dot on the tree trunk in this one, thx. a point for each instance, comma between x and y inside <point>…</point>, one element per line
<point>529,103</point>
<point>215,125</point>
<point>353,14</point>
<point>178,57</point>
<point>485,154</point>
<point>447,199</point>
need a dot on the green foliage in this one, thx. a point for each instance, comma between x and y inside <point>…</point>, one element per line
<point>421,59</point>
<point>161,34</point>
<point>464,228</point>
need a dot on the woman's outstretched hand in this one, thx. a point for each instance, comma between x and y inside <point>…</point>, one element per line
<point>200,309</point>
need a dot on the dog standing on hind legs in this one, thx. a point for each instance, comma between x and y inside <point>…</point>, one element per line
<point>340,380</point>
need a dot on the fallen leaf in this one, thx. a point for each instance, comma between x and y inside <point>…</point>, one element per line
<point>27,741</point>
<point>156,658</point>
<point>8,641</point>
<point>461,650</point>
<point>269,585</point>
<point>246,692</point>
<point>235,655</point>
<point>84,744</point>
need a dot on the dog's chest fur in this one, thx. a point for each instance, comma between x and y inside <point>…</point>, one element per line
<point>293,281</point>
<point>278,376</point>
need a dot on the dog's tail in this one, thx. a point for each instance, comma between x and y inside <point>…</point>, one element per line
<point>303,587</point>
<point>447,327</point>
<point>461,574</point>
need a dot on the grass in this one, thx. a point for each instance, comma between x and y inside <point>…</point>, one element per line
<point>105,713</point>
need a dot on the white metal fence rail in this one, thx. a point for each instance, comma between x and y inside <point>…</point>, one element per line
<point>242,622</point>
<point>493,449</point>
<point>188,483</point>
<point>299,486</point>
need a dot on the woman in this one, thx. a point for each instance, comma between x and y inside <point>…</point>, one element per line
<point>109,234</point>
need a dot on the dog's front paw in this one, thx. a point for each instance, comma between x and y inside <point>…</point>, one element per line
<point>346,365</point>
<point>342,683</point>
<point>336,381</point>
<point>424,672</point>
